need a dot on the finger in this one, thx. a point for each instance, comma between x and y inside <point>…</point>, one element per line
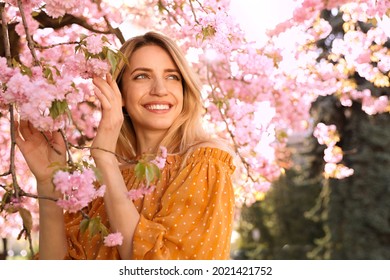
<point>104,102</point>
<point>113,84</point>
<point>58,141</point>
<point>113,93</point>
<point>58,138</point>
<point>18,137</point>
<point>25,129</point>
<point>21,139</point>
<point>103,86</point>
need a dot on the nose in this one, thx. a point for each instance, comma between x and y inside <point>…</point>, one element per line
<point>159,88</point>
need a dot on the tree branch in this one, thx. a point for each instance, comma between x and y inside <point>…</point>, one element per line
<point>5,173</point>
<point>104,150</point>
<point>163,7</point>
<point>47,21</point>
<point>115,31</point>
<point>193,12</point>
<point>67,145</point>
<point>30,41</point>
<point>67,19</point>
<point>23,193</point>
<point>12,170</point>
<point>243,160</point>
<point>56,45</point>
<point>4,27</point>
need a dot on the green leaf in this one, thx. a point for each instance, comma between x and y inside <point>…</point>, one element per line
<point>6,200</point>
<point>208,31</point>
<point>48,74</point>
<point>34,13</point>
<point>156,171</point>
<point>103,230</point>
<point>58,72</point>
<point>94,226</point>
<point>148,174</point>
<point>151,172</point>
<point>23,68</point>
<point>77,48</point>
<point>27,219</point>
<point>58,107</point>
<point>84,225</point>
<point>112,59</point>
<point>83,37</point>
<point>106,40</point>
<point>139,170</point>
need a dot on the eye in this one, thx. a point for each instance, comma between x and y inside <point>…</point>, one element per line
<point>140,77</point>
<point>174,77</point>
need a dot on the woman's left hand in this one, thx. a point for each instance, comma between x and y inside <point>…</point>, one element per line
<point>110,98</point>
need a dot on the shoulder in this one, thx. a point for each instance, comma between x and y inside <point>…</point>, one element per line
<point>214,144</point>
<point>211,152</point>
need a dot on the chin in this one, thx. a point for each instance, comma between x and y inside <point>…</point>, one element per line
<point>157,126</point>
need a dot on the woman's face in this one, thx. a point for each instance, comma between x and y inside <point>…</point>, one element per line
<point>152,90</point>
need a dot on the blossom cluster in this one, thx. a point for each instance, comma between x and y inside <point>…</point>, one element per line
<point>148,172</point>
<point>10,218</point>
<point>113,239</point>
<point>77,188</point>
<point>161,160</point>
<point>333,154</point>
<point>140,192</point>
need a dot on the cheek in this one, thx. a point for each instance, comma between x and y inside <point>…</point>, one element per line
<point>179,94</point>
<point>131,97</point>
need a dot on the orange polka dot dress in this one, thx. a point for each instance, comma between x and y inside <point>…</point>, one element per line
<point>188,216</point>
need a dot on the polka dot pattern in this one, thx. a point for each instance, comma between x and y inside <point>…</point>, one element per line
<point>188,216</point>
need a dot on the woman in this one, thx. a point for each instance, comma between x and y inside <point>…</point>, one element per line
<point>152,101</point>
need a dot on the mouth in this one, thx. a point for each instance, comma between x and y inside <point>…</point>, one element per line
<point>158,107</point>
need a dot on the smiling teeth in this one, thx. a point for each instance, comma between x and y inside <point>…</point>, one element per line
<point>157,107</point>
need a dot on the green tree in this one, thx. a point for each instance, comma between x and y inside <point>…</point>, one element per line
<point>307,216</point>
<point>355,211</point>
<point>279,226</point>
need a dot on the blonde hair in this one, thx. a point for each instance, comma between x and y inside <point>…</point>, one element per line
<point>187,130</point>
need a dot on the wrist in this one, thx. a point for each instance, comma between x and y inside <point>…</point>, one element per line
<point>46,190</point>
<point>104,158</point>
<point>101,153</point>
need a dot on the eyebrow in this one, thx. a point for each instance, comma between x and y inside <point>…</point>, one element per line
<point>169,70</point>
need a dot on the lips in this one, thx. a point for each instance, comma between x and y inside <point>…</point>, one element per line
<point>157,106</point>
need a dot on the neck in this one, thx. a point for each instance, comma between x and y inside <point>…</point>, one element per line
<point>148,142</point>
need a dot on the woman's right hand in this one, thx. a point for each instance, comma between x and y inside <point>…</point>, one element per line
<point>40,152</point>
<point>109,95</point>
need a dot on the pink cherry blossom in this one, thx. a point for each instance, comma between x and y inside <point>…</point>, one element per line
<point>57,8</point>
<point>113,239</point>
<point>78,188</point>
<point>94,44</point>
<point>161,160</point>
<point>140,192</point>
<point>86,68</point>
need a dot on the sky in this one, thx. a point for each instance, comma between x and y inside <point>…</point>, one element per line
<point>256,16</point>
